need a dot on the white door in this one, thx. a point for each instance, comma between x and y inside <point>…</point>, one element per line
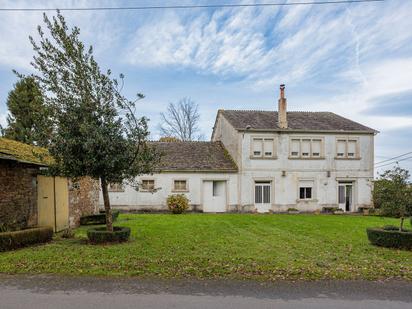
<point>262,196</point>
<point>345,196</point>
<point>214,196</point>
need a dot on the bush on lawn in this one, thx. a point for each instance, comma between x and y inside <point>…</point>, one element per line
<point>97,219</point>
<point>391,237</point>
<point>392,194</point>
<point>177,203</point>
<point>101,235</point>
<point>22,238</point>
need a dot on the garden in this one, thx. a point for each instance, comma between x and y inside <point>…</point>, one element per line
<point>234,246</point>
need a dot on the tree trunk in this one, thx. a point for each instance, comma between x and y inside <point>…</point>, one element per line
<point>106,200</point>
<point>401,226</point>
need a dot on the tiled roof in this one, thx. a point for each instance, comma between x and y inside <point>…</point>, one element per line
<point>302,121</point>
<point>16,151</point>
<point>194,156</point>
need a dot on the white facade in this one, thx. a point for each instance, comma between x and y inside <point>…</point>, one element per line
<point>199,192</point>
<point>277,170</point>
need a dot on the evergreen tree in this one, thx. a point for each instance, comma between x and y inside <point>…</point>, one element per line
<point>97,133</point>
<point>29,119</point>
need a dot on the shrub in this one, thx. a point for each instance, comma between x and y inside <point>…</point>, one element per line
<point>392,193</point>
<point>389,237</point>
<point>101,235</point>
<point>98,219</point>
<point>22,238</point>
<point>177,203</point>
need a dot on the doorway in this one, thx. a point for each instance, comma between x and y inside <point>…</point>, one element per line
<point>345,196</point>
<point>263,196</point>
<point>214,196</point>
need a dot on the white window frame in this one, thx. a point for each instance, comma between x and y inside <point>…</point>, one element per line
<point>263,155</point>
<point>180,190</point>
<point>143,189</point>
<point>313,190</point>
<point>346,140</point>
<point>321,155</point>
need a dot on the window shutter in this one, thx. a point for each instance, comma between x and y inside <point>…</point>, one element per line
<point>316,147</point>
<point>268,147</point>
<point>257,147</point>
<point>341,148</point>
<point>352,148</point>
<point>305,147</point>
<point>295,145</point>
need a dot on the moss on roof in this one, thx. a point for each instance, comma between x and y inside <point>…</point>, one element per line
<point>13,150</point>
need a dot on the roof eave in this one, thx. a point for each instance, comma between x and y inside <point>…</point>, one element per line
<point>309,131</point>
<point>197,171</point>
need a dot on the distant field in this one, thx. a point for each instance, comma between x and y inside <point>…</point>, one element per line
<point>235,246</point>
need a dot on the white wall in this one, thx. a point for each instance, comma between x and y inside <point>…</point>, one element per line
<point>286,187</point>
<point>131,199</point>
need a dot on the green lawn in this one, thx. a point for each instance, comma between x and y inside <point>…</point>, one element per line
<point>236,246</point>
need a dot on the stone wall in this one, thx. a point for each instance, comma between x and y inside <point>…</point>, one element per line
<point>83,199</point>
<point>18,194</point>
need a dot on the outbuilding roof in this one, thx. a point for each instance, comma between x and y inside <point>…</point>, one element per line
<point>24,153</point>
<point>194,157</point>
<point>298,121</point>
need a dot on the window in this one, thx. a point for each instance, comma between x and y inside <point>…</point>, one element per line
<point>218,188</point>
<point>316,147</point>
<point>263,147</point>
<point>305,190</point>
<point>148,184</point>
<point>295,148</point>
<point>116,187</point>
<point>180,185</point>
<point>262,192</point>
<point>347,148</point>
<point>257,147</point>
<point>268,147</point>
<point>306,148</point>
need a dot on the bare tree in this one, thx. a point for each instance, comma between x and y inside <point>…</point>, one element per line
<point>181,121</point>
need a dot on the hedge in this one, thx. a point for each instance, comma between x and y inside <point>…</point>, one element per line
<point>22,238</point>
<point>98,218</point>
<point>390,237</point>
<point>101,235</point>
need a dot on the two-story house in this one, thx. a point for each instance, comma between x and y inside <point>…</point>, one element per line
<point>263,161</point>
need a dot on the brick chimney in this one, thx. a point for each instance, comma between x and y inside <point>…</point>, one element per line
<point>282,116</point>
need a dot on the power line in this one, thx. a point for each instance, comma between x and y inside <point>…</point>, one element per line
<point>396,162</point>
<point>205,6</point>
<point>391,159</point>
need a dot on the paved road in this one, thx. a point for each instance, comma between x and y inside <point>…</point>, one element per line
<point>89,292</point>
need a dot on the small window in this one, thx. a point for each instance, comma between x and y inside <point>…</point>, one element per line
<point>215,188</point>
<point>316,147</point>
<point>295,145</point>
<point>268,147</point>
<point>305,147</point>
<point>341,148</point>
<point>305,193</point>
<point>116,187</point>
<point>148,184</point>
<point>305,189</point>
<point>180,185</point>
<point>257,147</point>
<point>351,148</point>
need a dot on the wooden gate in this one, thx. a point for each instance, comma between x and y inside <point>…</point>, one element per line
<point>53,202</point>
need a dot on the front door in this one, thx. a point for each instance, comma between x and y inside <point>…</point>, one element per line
<point>214,196</point>
<point>262,196</point>
<point>345,196</point>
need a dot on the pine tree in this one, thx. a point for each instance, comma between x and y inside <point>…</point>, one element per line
<point>29,119</point>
